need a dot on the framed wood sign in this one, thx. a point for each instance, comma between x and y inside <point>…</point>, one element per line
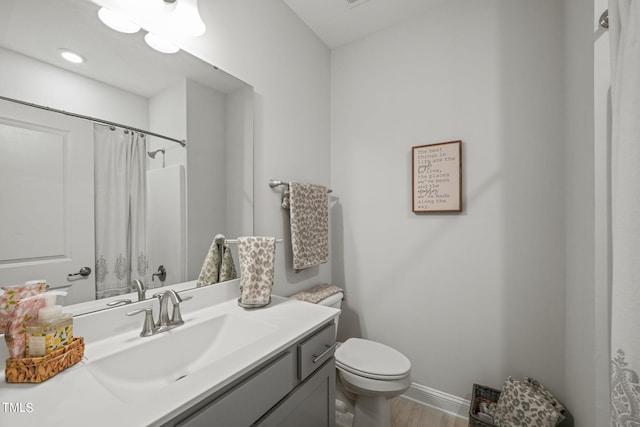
<point>437,177</point>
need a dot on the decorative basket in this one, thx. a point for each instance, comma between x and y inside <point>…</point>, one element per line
<point>39,369</point>
<point>481,394</point>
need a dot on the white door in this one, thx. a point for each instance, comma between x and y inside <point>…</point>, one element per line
<point>46,199</point>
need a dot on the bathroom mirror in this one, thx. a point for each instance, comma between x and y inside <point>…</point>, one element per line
<point>204,189</point>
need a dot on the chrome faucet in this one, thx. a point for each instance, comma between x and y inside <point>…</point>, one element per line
<point>164,322</point>
<point>138,286</point>
<point>149,327</point>
<point>176,317</point>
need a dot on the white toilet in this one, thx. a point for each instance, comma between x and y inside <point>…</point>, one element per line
<point>369,374</point>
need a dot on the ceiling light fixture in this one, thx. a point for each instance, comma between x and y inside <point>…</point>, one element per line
<point>117,22</point>
<point>172,18</point>
<point>72,56</point>
<point>185,18</point>
<point>160,44</point>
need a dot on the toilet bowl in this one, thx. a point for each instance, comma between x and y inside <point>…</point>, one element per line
<point>369,375</point>
<point>372,374</point>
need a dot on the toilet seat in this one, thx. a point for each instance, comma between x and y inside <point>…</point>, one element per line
<point>370,359</point>
<point>357,385</point>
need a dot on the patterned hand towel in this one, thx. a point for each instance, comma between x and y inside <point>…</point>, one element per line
<point>257,256</point>
<point>227,267</point>
<point>317,293</point>
<point>308,205</point>
<point>218,265</point>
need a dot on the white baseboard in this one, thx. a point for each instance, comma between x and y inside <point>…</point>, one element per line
<point>437,399</point>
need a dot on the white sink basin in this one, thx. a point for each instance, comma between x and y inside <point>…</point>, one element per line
<point>148,364</point>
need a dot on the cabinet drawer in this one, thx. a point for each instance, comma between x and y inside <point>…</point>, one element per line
<point>316,350</point>
<point>249,400</point>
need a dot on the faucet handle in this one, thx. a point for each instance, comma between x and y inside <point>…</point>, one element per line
<point>177,295</point>
<point>148,327</point>
<point>118,302</point>
<point>176,317</point>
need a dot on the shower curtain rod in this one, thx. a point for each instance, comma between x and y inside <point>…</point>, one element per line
<point>93,119</point>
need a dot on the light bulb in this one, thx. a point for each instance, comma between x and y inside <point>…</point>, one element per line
<point>116,22</point>
<point>160,44</point>
<point>185,18</point>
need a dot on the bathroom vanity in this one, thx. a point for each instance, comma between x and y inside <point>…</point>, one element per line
<point>295,388</point>
<point>226,366</point>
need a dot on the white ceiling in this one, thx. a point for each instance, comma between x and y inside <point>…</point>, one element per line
<point>336,23</point>
<point>38,28</point>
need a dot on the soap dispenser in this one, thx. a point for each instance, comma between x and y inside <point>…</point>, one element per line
<point>51,330</point>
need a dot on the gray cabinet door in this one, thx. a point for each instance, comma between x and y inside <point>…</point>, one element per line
<point>310,404</point>
<point>249,400</point>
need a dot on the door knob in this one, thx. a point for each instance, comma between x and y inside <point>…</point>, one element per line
<point>84,271</point>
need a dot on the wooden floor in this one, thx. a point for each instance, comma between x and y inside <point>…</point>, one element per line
<point>406,413</point>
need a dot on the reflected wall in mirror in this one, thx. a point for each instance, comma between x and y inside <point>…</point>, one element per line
<point>50,165</point>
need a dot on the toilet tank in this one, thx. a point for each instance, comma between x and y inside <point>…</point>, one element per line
<point>334,301</point>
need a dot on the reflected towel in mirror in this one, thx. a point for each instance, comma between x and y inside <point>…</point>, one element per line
<point>257,257</point>
<point>218,265</point>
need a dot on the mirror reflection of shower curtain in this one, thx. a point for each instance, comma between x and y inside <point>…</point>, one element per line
<point>120,210</point>
<point>624,36</point>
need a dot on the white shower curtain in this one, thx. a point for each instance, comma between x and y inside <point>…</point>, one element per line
<point>120,210</point>
<point>624,26</point>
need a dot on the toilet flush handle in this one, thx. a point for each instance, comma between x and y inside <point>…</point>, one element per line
<point>330,348</point>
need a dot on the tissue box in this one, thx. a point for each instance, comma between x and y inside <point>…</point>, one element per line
<point>12,294</point>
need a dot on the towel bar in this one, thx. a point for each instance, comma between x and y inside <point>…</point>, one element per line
<point>236,240</point>
<point>273,183</point>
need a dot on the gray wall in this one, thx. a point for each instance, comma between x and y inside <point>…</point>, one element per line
<point>476,296</point>
<point>504,288</point>
<point>265,44</point>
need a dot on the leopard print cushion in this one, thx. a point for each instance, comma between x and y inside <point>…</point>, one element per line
<point>527,404</point>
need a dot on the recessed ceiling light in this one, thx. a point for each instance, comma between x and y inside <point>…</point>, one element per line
<point>71,56</point>
<point>160,44</point>
<point>117,22</point>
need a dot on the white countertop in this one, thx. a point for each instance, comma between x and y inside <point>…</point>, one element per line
<point>75,397</point>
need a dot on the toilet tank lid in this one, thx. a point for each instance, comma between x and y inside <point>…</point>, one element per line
<point>370,357</point>
<point>331,299</point>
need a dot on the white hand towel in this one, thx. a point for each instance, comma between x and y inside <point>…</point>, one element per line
<point>257,256</point>
<point>308,205</point>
